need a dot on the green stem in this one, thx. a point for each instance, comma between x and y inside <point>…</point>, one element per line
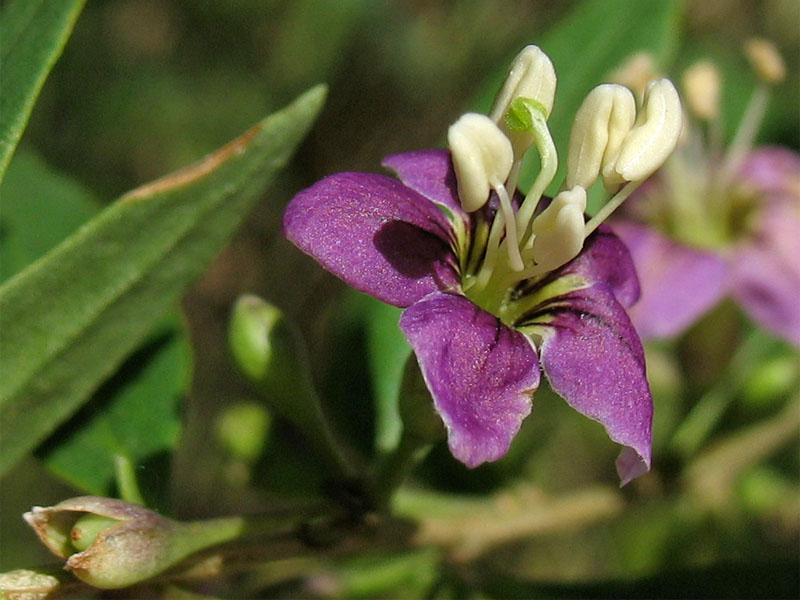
<point>127,485</point>
<point>396,466</point>
<point>709,409</point>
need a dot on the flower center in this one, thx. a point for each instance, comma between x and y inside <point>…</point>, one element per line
<point>515,240</point>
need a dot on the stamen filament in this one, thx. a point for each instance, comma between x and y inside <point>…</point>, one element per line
<point>609,207</point>
<point>549,165</point>
<point>490,257</point>
<point>746,134</point>
<point>511,229</point>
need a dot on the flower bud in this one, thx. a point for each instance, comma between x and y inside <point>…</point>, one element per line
<point>110,544</point>
<point>601,124</point>
<point>482,158</point>
<point>559,230</point>
<point>701,87</point>
<point>24,584</point>
<point>766,61</point>
<point>652,139</point>
<point>271,353</point>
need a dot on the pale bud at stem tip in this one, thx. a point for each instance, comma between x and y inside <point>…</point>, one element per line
<point>482,158</point>
<point>765,60</point>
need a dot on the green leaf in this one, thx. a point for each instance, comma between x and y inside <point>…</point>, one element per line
<point>32,34</point>
<point>388,351</point>
<point>71,318</point>
<point>133,414</point>
<point>39,208</point>
<point>585,47</point>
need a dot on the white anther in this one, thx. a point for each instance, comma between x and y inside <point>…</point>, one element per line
<point>559,229</point>
<point>701,87</point>
<point>531,75</point>
<point>482,158</point>
<point>650,142</point>
<point>601,124</point>
<point>766,61</point>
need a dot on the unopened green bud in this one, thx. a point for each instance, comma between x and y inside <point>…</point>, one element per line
<point>242,430</point>
<point>271,353</point>
<point>86,530</point>
<point>111,544</point>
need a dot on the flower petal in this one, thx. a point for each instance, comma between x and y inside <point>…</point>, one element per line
<point>774,172</point>
<point>766,273</point>
<point>594,360</point>
<point>431,173</point>
<point>481,374</point>
<point>679,283</point>
<point>606,259</point>
<point>379,236</point>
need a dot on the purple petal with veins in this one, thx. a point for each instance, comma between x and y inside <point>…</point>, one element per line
<point>606,259</point>
<point>480,373</point>
<point>376,234</point>
<point>593,359</point>
<point>679,284</point>
<point>429,172</point>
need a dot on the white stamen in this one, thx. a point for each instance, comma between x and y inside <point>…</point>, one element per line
<point>511,227</point>
<point>652,140</point>
<point>558,230</point>
<point>701,88</point>
<point>531,75</point>
<point>766,61</point>
<point>600,126</point>
<point>481,154</point>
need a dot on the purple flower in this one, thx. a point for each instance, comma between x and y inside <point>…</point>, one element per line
<point>755,260</point>
<point>496,287</point>
<point>716,223</point>
<point>410,244</point>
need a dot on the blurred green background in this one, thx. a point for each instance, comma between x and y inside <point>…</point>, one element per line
<point>146,86</point>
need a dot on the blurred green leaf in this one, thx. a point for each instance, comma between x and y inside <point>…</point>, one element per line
<point>38,209</point>
<point>71,318</point>
<point>134,414</point>
<point>32,34</point>
<point>387,353</point>
<point>590,42</point>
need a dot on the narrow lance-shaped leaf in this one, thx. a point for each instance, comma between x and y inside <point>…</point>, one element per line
<point>71,318</point>
<point>32,34</point>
